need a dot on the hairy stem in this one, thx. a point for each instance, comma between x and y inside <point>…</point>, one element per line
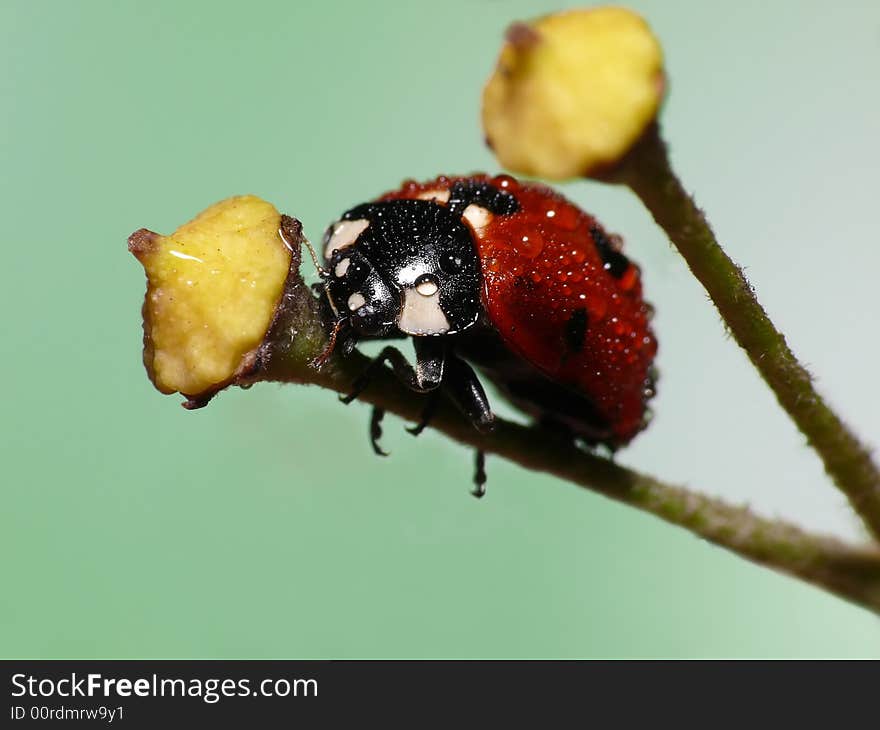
<point>648,172</point>
<point>852,572</point>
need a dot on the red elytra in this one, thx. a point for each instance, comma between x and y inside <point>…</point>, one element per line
<point>543,269</point>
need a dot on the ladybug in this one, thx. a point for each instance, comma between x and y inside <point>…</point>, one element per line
<point>503,277</point>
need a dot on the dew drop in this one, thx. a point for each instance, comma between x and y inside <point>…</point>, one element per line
<point>531,245</point>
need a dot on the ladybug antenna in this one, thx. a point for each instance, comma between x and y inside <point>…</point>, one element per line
<point>326,285</point>
<point>292,234</point>
<point>322,272</point>
<point>325,354</point>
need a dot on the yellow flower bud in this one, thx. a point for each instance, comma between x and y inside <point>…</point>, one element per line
<point>212,290</point>
<point>573,91</point>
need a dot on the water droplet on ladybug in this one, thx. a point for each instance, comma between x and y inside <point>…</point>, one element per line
<point>531,245</point>
<point>567,218</point>
<point>427,286</point>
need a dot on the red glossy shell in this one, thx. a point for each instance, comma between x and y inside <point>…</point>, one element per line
<point>540,265</point>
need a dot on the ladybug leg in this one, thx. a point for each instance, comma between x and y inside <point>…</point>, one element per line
<point>463,387</point>
<point>424,378</point>
<point>376,430</point>
<point>325,354</point>
<point>479,474</point>
<point>427,414</point>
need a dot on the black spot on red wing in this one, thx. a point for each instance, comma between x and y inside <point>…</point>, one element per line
<point>466,192</point>
<point>524,284</point>
<point>615,262</point>
<point>576,330</point>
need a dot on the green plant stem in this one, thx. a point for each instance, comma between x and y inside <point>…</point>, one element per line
<point>852,572</point>
<point>648,172</point>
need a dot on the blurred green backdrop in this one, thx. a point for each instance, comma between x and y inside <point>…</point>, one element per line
<point>262,526</point>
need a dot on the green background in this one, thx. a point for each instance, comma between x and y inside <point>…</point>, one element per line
<point>262,526</point>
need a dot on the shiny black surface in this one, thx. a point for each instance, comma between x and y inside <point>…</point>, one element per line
<point>406,241</point>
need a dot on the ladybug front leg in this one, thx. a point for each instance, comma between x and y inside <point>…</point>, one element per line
<point>376,430</point>
<point>424,378</point>
<point>427,414</point>
<point>479,474</point>
<point>463,387</point>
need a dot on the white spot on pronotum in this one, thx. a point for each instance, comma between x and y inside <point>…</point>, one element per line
<point>427,288</point>
<point>421,314</point>
<point>342,267</point>
<point>409,274</point>
<point>477,216</point>
<point>441,196</point>
<point>344,234</point>
<point>356,301</point>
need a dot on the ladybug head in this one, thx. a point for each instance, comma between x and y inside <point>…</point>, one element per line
<point>360,294</point>
<point>406,266</point>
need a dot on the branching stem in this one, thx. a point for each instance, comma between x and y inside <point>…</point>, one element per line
<point>648,172</point>
<point>850,571</point>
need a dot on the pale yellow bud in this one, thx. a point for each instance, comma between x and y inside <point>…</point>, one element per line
<point>212,290</point>
<point>573,91</point>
